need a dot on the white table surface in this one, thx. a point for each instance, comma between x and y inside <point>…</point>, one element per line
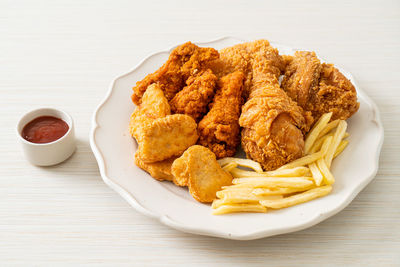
<point>65,54</point>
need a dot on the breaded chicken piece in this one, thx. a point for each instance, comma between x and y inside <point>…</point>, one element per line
<point>154,105</point>
<point>240,58</point>
<point>319,88</point>
<point>193,99</point>
<point>335,94</point>
<point>273,124</point>
<point>160,170</point>
<point>199,170</point>
<point>302,77</point>
<point>219,130</point>
<point>184,61</point>
<point>166,137</point>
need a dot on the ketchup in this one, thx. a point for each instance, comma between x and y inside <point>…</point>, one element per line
<point>44,129</point>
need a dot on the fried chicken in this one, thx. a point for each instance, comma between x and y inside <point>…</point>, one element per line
<point>273,124</point>
<point>193,99</point>
<point>219,130</point>
<point>319,88</point>
<point>240,58</point>
<point>198,169</point>
<point>166,137</point>
<point>184,61</point>
<point>160,135</point>
<point>154,105</point>
<point>160,170</point>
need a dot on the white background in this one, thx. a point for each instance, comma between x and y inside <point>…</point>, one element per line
<point>65,54</point>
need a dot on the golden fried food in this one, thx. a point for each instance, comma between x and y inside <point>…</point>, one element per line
<point>240,58</point>
<point>336,94</point>
<point>319,88</point>
<point>184,61</point>
<point>219,130</point>
<point>302,77</point>
<point>199,169</point>
<point>154,105</point>
<point>193,99</point>
<point>166,137</point>
<point>273,124</point>
<point>160,170</point>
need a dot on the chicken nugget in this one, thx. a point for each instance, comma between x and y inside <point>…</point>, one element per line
<point>154,105</point>
<point>204,175</point>
<point>160,170</point>
<point>166,137</point>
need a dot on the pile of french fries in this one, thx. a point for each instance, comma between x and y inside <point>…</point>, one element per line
<point>297,182</point>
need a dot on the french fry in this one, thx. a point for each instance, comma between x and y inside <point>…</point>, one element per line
<point>329,127</point>
<point>242,162</point>
<point>340,148</point>
<point>230,166</point>
<point>243,199</point>
<point>298,198</point>
<point>317,175</point>
<point>273,182</point>
<point>234,191</point>
<point>294,172</point>
<point>325,171</point>
<point>224,209</point>
<point>298,171</point>
<point>303,161</point>
<point>236,172</point>
<point>316,130</point>
<point>337,138</point>
<point>279,191</point>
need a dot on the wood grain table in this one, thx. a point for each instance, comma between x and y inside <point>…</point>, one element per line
<point>64,54</point>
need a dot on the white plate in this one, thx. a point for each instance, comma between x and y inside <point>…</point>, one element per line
<point>173,206</point>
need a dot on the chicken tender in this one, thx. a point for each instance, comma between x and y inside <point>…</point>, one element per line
<point>183,62</point>
<point>154,105</point>
<point>193,99</point>
<point>219,130</point>
<point>166,137</point>
<point>160,170</point>
<point>319,88</point>
<point>199,169</point>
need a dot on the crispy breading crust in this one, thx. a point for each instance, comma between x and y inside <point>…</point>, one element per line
<point>167,137</point>
<point>219,130</point>
<point>184,61</point>
<point>204,175</point>
<point>319,88</point>
<point>273,124</point>
<point>154,105</point>
<point>160,170</point>
<point>193,99</point>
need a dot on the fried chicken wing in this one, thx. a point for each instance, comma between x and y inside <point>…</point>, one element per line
<point>184,61</point>
<point>193,99</point>
<point>219,130</point>
<point>319,88</point>
<point>160,170</point>
<point>199,170</point>
<point>273,124</point>
<point>166,137</point>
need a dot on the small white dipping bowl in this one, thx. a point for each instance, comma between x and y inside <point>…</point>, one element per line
<point>46,154</point>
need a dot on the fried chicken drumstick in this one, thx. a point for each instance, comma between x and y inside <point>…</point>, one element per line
<point>219,130</point>
<point>184,61</point>
<point>273,124</point>
<point>319,88</point>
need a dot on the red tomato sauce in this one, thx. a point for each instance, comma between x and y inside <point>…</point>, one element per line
<point>44,129</point>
